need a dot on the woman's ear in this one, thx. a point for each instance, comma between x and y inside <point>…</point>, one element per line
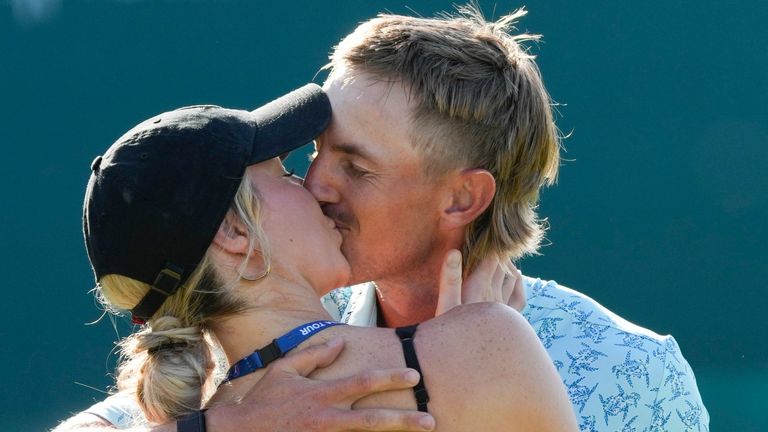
<point>232,237</point>
<point>235,250</point>
<point>471,192</point>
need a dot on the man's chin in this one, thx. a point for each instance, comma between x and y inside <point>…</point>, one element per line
<point>358,277</point>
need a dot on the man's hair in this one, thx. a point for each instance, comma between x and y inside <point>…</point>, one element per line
<point>478,102</point>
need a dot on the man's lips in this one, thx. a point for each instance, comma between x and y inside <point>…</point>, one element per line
<point>339,219</point>
<point>340,226</point>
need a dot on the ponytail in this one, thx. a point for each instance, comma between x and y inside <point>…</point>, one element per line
<point>169,366</point>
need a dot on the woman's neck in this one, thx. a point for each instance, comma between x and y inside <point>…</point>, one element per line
<point>241,336</point>
<point>279,307</point>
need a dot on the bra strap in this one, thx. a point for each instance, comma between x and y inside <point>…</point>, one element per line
<point>406,335</point>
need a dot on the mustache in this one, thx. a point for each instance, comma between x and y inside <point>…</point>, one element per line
<point>345,220</point>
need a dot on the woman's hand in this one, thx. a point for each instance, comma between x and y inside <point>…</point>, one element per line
<point>487,283</point>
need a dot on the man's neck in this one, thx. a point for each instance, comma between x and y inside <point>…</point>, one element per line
<point>404,303</point>
<point>410,295</point>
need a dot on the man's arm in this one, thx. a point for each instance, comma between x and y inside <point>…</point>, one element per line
<point>284,399</point>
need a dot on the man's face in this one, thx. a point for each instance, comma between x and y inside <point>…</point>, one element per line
<point>368,178</point>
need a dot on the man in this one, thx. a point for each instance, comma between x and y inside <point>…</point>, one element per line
<point>442,135</point>
<point>431,119</point>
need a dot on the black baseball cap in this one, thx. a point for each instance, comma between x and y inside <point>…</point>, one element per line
<point>156,198</point>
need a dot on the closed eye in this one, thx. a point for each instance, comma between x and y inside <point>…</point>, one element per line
<point>353,170</point>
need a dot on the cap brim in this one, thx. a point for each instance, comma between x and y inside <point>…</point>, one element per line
<point>289,122</point>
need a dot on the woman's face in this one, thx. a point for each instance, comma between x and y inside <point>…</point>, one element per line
<point>303,241</point>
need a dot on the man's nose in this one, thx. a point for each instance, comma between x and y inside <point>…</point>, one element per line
<point>319,183</point>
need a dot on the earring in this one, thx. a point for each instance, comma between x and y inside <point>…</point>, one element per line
<point>264,274</point>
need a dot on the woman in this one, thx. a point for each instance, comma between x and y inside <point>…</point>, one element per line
<point>192,224</point>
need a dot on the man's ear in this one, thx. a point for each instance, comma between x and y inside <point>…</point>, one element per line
<point>232,237</point>
<point>471,192</point>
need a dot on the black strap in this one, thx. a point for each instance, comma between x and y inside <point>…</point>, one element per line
<point>166,283</point>
<point>194,422</point>
<point>270,353</point>
<point>412,361</point>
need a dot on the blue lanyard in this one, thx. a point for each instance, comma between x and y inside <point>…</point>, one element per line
<point>278,348</point>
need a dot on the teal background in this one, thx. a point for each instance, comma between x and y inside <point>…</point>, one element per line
<point>660,212</point>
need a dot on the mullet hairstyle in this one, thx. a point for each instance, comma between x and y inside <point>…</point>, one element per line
<point>478,101</point>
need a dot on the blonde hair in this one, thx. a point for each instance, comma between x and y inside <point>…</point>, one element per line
<point>478,101</point>
<point>169,363</point>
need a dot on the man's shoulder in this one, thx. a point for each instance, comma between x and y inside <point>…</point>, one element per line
<point>618,374</point>
<point>581,315</point>
<point>571,324</point>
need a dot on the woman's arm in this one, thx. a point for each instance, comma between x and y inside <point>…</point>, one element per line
<point>485,369</point>
<point>284,399</point>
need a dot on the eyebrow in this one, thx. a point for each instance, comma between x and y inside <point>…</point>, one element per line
<point>353,150</point>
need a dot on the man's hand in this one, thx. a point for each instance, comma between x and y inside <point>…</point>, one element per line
<point>284,400</point>
<point>487,283</point>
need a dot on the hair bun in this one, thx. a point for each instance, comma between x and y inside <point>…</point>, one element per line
<point>168,366</point>
<point>167,334</point>
<point>167,347</point>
